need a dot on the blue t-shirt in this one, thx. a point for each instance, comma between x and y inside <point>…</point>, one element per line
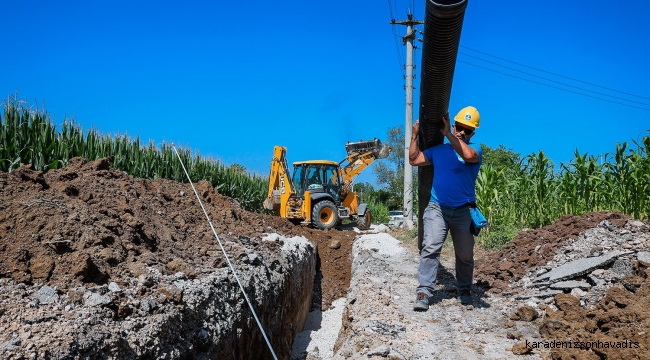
<point>453,179</point>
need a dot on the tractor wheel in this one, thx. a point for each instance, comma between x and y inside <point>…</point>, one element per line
<point>325,215</point>
<point>363,222</point>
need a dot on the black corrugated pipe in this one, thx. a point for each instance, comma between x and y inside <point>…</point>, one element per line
<point>442,26</point>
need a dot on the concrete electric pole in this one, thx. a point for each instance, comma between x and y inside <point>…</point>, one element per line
<point>408,169</point>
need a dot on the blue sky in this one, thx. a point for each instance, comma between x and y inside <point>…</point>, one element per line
<point>232,79</point>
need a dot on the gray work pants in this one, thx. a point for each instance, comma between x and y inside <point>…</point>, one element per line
<point>437,221</point>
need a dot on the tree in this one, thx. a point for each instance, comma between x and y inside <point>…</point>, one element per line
<point>390,171</point>
<point>501,158</point>
<point>365,191</point>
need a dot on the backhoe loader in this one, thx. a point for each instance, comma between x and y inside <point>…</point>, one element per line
<point>320,191</point>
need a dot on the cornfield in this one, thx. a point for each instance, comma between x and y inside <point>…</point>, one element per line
<point>534,195</point>
<point>529,195</point>
<point>27,136</point>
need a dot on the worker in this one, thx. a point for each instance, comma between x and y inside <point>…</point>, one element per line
<point>314,179</point>
<point>456,165</point>
<point>333,183</point>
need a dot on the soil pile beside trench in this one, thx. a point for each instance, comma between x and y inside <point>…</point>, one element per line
<point>586,278</point>
<point>535,248</point>
<point>93,247</point>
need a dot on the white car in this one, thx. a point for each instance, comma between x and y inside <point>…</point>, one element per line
<point>396,218</point>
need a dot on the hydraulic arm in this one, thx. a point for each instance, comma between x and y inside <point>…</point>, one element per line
<point>360,156</point>
<point>280,188</point>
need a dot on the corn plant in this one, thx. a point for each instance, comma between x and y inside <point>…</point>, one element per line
<point>582,185</point>
<point>379,212</point>
<point>27,136</point>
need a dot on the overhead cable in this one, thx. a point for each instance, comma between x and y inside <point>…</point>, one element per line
<point>395,36</point>
<point>557,82</point>
<point>552,73</point>
<point>551,86</point>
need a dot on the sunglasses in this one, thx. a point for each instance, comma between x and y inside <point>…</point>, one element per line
<point>467,131</point>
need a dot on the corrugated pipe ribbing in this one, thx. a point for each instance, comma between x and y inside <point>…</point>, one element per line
<point>442,26</point>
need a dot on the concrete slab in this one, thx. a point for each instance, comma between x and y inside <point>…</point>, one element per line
<point>46,295</point>
<point>570,285</point>
<point>643,257</point>
<point>540,295</point>
<point>540,284</point>
<point>579,267</point>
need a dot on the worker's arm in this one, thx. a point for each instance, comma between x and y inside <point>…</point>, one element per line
<point>416,157</point>
<point>465,151</point>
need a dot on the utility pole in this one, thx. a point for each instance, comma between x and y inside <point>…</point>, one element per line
<point>408,169</point>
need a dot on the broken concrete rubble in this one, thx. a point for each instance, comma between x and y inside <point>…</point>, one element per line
<point>579,267</point>
<point>539,295</point>
<point>644,257</point>
<point>562,285</point>
<point>586,264</point>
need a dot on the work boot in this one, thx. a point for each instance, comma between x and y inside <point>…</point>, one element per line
<point>421,302</point>
<point>465,297</point>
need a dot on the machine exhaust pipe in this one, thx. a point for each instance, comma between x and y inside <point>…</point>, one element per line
<point>442,26</point>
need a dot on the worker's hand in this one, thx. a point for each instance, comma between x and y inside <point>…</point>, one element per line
<point>415,130</point>
<point>446,129</point>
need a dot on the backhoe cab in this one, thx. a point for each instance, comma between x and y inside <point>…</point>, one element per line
<point>319,191</point>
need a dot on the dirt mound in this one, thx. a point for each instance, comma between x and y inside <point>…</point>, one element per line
<point>91,224</point>
<point>587,276</point>
<point>534,248</point>
<point>617,328</point>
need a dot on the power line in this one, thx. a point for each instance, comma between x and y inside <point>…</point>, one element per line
<point>557,82</point>
<point>552,73</point>
<point>555,87</point>
<point>395,36</point>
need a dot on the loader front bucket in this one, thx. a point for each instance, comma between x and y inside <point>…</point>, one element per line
<point>378,150</point>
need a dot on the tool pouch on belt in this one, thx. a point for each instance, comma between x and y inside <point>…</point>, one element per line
<point>478,220</point>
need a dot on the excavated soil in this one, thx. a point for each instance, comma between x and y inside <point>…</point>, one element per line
<point>534,248</point>
<point>617,325</point>
<point>91,224</point>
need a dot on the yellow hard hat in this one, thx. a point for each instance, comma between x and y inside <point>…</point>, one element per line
<point>468,116</point>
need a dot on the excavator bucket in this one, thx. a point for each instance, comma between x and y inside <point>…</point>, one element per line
<point>378,150</point>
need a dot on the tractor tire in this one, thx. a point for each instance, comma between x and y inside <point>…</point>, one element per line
<point>364,221</point>
<point>325,215</point>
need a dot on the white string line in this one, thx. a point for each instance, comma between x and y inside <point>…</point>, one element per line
<point>226,255</point>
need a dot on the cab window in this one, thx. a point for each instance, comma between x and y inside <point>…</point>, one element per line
<point>333,185</point>
<point>297,176</point>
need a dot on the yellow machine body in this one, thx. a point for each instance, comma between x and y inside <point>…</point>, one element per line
<point>319,191</point>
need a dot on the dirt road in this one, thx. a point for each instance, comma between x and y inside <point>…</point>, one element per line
<point>379,322</point>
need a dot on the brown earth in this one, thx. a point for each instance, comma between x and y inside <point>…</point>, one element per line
<point>91,224</point>
<point>533,248</point>
<point>617,327</point>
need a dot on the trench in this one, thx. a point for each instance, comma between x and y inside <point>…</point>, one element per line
<point>282,303</point>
